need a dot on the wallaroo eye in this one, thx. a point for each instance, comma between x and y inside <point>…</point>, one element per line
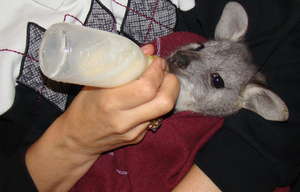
<point>198,47</point>
<point>217,81</point>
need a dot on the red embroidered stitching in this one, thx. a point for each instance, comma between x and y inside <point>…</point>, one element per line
<point>20,53</point>
<point>33,59</point>
<point>140,14</point>
<point>69,15</point>
<point>151,23</point>
<point>113,28</point>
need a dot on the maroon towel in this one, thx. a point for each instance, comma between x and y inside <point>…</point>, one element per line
<point>165,45</point>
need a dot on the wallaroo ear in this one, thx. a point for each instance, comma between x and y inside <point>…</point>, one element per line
<point>264,102</point>
<point>233,23</point>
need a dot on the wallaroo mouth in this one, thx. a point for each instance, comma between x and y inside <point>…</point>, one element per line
<point>181,59</point>
<point>174,67</point>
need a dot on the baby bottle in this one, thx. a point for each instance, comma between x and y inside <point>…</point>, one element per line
<point>80,55</point>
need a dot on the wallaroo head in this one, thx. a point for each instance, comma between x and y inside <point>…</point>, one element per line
<point>219,78</point>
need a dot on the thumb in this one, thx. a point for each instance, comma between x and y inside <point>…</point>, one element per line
<point>148,49</point>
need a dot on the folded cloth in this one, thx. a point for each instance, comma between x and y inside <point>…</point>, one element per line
<point>165,45</point>
<point>162,159</point>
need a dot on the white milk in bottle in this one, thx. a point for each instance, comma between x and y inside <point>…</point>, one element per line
<point>80,55</point>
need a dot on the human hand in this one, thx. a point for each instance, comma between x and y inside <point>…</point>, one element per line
<point>100,120</point>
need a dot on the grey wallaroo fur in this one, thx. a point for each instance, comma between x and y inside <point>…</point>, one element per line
<point>219,78</point>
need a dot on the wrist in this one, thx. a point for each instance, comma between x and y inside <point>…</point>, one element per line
<point>53,164</point>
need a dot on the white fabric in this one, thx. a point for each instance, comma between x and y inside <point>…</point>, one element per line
<point>184,5</point>
<point>13,24</point>
<point>116,8</point>
<point>52,4</point>
<point>15,16</point>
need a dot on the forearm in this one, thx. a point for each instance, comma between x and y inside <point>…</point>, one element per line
<point>51,163</point>
<point>196,181</point>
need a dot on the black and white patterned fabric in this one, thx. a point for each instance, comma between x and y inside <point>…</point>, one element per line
<point>144,21</point>
<point>31,75</point>
<point>100,17</point>
<point>147,20</point>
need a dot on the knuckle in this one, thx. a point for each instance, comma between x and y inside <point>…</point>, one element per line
<point>148,90</point>
<point>119,129</point>
<point>137,140</point>
<point>166,104</point>
<point>116,126</point>
<point>106,105</point>
<point>129,138</point>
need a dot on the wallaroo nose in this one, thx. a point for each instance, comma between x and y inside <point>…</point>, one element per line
<point>180,59</point>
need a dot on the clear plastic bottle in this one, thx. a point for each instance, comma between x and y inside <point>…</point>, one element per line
<point>80,55</point>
